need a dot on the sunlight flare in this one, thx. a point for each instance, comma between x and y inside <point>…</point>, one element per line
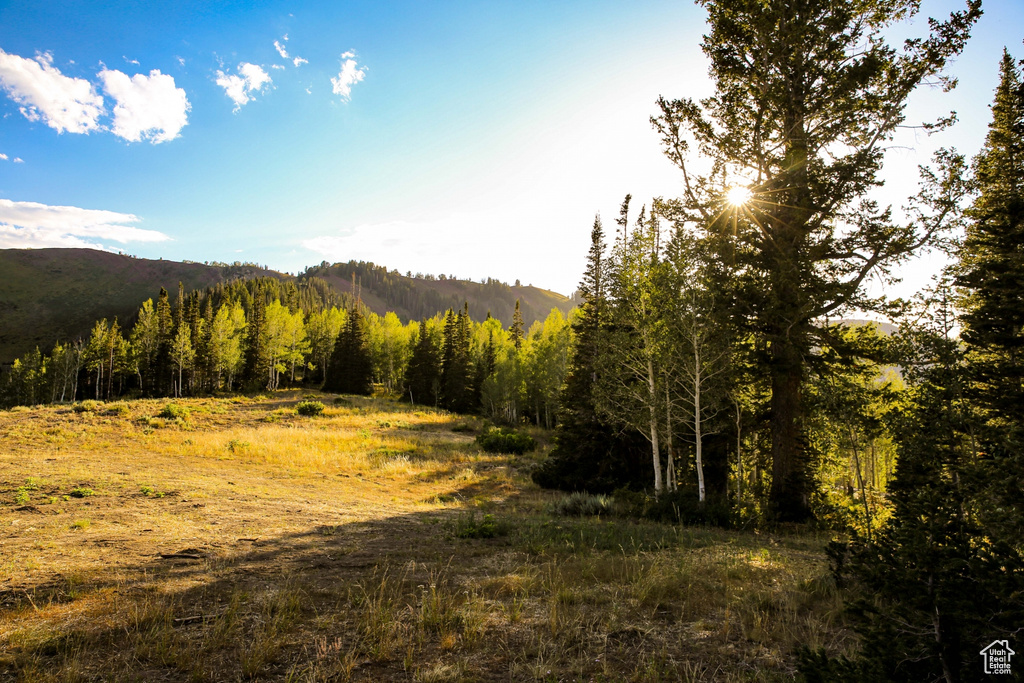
<point>738,195</point>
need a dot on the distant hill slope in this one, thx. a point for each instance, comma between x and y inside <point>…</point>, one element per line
<point>49,295</point>
<point>416,298</point>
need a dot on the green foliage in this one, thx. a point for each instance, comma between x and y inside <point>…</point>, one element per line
<point>504,440</point>
<point>806,98</point>
<point>350,370</point>
<point>467,526</point>
<point>81,492</point>
<point>173,411</point>
<point>87,406</point>
<point>582,505</point>
<point>681,506</point>
<point>936,566</point>
<point>309,408</point>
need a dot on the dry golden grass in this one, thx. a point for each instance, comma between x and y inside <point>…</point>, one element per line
<point>249,543</point>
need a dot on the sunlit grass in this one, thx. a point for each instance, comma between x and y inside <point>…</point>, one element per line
<point>248,542</point>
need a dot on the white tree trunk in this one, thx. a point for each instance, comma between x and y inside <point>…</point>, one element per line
<point>696,420</point>
<point>658,485</point>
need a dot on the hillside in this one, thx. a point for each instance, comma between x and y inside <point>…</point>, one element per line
<point>414,298</point>
<point>47,295</point>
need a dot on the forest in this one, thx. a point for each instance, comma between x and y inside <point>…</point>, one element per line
<point>711,374</point>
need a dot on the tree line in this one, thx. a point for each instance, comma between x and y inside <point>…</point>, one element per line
<point>263,334</point>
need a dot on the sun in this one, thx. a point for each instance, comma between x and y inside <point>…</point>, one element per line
<point>738,195</point>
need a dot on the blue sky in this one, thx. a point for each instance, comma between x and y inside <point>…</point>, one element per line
<point>476,139</point>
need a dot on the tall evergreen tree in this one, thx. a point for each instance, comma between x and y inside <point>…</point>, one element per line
<point>351,368</point>
<point>807,93</point>
<point>992,276</point>
<point>937,584</point>
<point>257,358</point>
<point>516,331</point>
<point>423,375</point>
<point>456,365</point>
<point>165,334</point>
<point>589,454</point>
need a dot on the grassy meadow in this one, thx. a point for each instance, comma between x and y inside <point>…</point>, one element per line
<point>232,539</point>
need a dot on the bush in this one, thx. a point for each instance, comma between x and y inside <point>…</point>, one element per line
<point>488,527</point>
<point>309,408</point>
<point>678,507</point>
<point>172,411</point>
<point>501,440</point>
<point>581,505</point>
<point>86,407</point>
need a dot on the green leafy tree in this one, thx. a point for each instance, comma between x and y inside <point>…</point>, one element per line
<point>807,93</point>
<point>630,389</point>
<point>935,585</point>
<point>227,332</point>
<point>183,355</point>
<point>323,328</point>
<point>589,454</point>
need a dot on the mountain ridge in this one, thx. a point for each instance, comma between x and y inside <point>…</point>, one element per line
<point>57,294</point>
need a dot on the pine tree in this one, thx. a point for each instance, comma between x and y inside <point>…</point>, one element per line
<point>351,368</point>
<point>936,584</point>
<point>257,359</point>
<point>162,378</point>
<point>516,331</point>
<point>456,366</point>
<point>589,454</point>
<point>992,275</point>
<point>807,94</point>
<point>423,375</point>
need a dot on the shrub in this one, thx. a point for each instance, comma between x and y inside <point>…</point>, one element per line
<point>309,408</point>
<point>118,409</point>
<point>502,440</point>
<point>467,526</point>
<point>172,411</point>
<point>462,427</point>
<point>677,507</point>
<point>581,505</point>
<point>86,407</point>
<point>82,492</point>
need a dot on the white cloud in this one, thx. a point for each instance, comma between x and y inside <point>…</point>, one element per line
<point>148,107</point>
<point>30,225</point>
<point>349,75</point>
<point>130,61</point>
<point>240,87</point>
<point>19,160</point>
<point>3,156</point>
<point>281,50</point>
<point>44,93</point>
<point>181,61</point>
